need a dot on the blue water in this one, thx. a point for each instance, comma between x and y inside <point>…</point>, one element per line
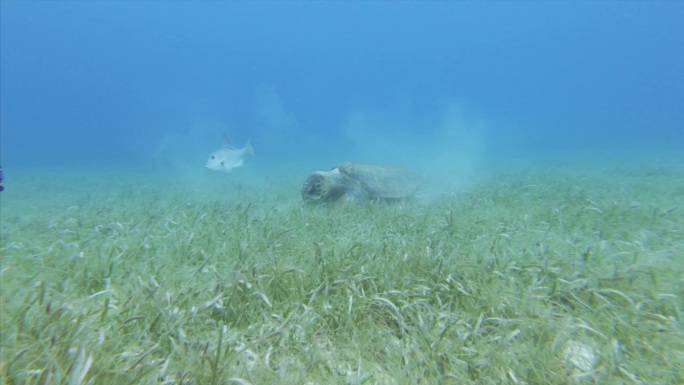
<point>134,82</point>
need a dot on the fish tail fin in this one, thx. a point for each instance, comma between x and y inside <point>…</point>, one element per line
<point>249,148</point>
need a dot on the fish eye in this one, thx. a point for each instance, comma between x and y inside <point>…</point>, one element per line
<point>213,157</point>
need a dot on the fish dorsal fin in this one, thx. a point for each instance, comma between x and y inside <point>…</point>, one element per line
<point>226,143</point>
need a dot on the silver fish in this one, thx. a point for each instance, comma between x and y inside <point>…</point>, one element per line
<point>228,157</point>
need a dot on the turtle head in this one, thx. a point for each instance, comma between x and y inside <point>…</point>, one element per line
<point>323,187</point>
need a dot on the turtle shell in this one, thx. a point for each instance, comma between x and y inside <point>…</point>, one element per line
<point>380,182</point>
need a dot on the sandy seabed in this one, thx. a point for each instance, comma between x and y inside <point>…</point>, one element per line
<point>561,273</point>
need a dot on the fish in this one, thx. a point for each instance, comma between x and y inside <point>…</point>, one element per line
<point>228,157</point>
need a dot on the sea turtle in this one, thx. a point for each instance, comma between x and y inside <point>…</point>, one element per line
<point>359,182</point>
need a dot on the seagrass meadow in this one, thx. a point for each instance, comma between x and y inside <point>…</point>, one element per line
<point>561,274</point>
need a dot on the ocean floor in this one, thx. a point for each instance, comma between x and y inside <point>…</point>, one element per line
<point>550,272</point>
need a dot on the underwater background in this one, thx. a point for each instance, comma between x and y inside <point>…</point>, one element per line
<point>428,84</point>
<point>544,244</point>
